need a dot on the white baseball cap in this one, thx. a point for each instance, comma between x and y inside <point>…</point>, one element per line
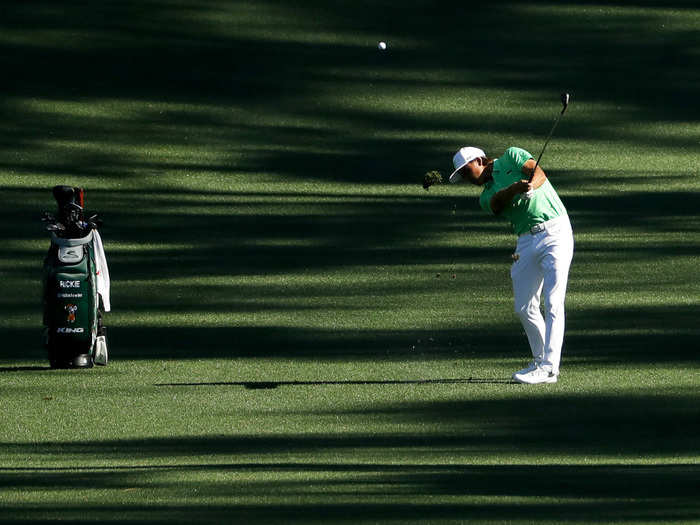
<point>463,157</point>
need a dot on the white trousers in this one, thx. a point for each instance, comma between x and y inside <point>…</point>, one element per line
<point>541,271</point>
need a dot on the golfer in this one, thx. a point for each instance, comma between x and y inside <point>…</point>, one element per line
<point>544,250</point>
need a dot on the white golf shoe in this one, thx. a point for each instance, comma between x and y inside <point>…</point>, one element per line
<point>536,376</point>
<point>529,368</point>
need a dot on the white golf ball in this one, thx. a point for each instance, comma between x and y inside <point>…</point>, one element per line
<point>382,45</point>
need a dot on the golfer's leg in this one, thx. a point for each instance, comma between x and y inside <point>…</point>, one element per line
<point>556,265</point>
<point>527,287</point>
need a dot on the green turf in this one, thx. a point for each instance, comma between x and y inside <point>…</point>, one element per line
<point>301,333</point>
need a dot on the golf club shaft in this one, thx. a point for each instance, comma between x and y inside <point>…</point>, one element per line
<point>565,102</point>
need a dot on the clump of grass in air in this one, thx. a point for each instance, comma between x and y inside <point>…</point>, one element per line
<point>431,178</point>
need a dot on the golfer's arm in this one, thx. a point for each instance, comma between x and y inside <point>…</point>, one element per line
<point>539,178</point>
<point>502,198</point>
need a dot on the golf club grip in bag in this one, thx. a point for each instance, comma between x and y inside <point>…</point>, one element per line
<point>75,337</point>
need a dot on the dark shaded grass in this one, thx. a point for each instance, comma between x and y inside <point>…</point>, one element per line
<point>595,494</point>
<point>665,510</point>
<point>576,481</point>
<point>549,424</point>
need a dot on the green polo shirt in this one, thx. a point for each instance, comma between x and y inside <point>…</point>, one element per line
<point>523,214</point>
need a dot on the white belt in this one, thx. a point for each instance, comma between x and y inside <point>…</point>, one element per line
<point>543,226</point>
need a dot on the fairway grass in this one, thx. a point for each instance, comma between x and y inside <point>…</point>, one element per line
<point>301,333</point>
<point>185,440</point>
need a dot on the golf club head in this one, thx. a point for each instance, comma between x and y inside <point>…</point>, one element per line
<point>565,101</point>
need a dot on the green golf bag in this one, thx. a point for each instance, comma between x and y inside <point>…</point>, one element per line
<point>75,336</point>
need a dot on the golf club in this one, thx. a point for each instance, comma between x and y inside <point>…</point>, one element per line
<point>565,102</point>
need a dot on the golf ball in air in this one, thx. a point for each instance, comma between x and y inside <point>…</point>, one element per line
<point>381,45</point>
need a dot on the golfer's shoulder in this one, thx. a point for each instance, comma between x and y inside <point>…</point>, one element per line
<point>516,155</point>
<point>515,151</point>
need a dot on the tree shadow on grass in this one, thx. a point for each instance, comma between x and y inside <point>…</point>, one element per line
<point>542,422</point>
<point>138,49</point>
<point>376,493</point>
<point>6,369</point>
<point>607,336</point>
<point>295,468</point>
<point>195,236</point>
<point>674,510</point>
<point>260,75</point>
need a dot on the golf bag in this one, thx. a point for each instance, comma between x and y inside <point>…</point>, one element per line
<point>75,285</point>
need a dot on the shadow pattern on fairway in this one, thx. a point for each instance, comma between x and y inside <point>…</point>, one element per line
<point>268,89</point>
<point>255,58</point>
<point>294,475</point>
<point>599,494</point>
<point>537,422</point>
<point>6,369</point>
<point>200,238</point>
<point>261,100</point>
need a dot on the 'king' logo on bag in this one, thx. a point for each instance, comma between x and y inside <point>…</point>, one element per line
<point>71,309</point>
